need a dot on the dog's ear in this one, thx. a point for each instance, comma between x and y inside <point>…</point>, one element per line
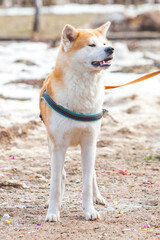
<point>104,28</point>
<point>69,35</point>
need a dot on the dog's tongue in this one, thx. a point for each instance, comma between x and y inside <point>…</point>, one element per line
<point>103,62</point>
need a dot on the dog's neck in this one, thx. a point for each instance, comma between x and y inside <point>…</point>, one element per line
<point>80,91</point>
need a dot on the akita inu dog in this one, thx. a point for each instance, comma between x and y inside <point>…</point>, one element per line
<point>72,111</point>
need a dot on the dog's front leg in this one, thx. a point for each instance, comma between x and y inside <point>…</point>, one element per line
<point>57,164</point>
<point>88,147</point>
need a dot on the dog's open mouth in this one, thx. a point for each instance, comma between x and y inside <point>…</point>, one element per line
<point>103,63</point>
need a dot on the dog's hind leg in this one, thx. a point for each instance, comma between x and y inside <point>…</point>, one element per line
<point>88,147</point>
<point>97,197</point>
<point>57,180</point>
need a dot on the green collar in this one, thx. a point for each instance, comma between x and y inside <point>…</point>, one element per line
<point>69,114</point>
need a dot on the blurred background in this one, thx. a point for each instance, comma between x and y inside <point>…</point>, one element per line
<point>29,38</point>
<point>129,16</point>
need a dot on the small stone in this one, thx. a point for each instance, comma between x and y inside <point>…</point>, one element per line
<point>78,181</point>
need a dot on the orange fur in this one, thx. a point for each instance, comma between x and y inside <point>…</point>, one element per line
<point>56,77</point>
<point>82,39</point>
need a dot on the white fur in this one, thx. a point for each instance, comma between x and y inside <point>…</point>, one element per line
<point>83,93</point>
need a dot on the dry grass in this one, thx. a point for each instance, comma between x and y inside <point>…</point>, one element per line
<point>51,25</point>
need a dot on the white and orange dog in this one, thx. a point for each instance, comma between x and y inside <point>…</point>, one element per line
<point>76,84</point>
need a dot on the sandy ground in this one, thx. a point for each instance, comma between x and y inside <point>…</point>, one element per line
<point>131,143</point>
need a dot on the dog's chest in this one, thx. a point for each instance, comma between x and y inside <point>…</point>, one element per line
<point>71,132</point>
<point>83,96</point>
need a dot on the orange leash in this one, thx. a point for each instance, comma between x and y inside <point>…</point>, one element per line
<point>150,75</point>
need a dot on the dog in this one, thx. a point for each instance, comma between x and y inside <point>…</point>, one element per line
<point>76,84</point>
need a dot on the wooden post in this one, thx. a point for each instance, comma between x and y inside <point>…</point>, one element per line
<point>19,2</point>
<point>135,2</point>
<point>128,2</point>
<point>36,25</point>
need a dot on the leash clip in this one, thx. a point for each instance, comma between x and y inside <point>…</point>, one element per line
<point>105,112</point>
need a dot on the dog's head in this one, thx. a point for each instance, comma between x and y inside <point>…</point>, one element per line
<point>87,49</point>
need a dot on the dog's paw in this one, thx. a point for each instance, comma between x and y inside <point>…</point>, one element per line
<point>99,200</point>
<point>52,217</point>
<point>92,215</point>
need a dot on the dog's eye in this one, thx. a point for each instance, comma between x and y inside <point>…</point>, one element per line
<point>92,45</point>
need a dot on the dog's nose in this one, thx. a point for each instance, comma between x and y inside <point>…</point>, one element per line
<point>109,50</point>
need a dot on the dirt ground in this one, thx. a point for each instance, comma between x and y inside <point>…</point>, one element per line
<point>132,208</point>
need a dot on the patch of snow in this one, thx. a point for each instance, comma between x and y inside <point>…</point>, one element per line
<point>153,56</point>
<point>10,70</point>
<point>81,9</point>
<point>123,57</point>
<point>150,86</point>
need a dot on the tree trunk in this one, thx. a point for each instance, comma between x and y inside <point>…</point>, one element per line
<point>36,25</point>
